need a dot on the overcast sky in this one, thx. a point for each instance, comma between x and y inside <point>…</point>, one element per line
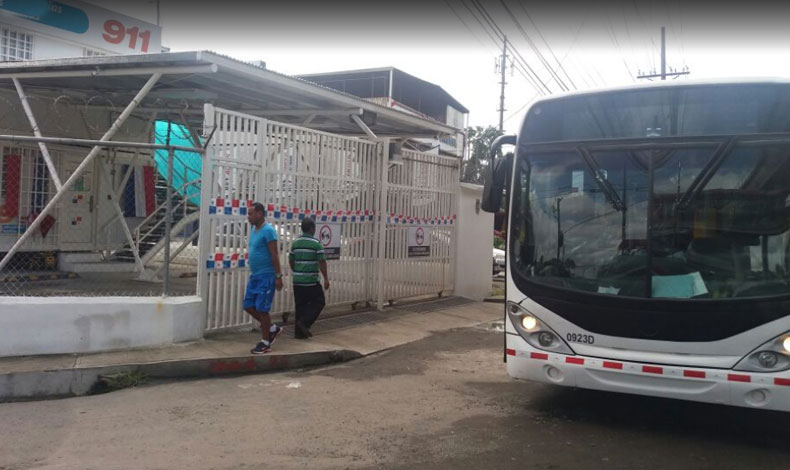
<point>445,42</point>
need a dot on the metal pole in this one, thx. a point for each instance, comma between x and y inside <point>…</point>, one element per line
<point>502,89</point>
<point>663,54</point>
<point>37,132</point>
<point>122,72</point>
<point>363,126</point>
<point>382,222</point>
<point>80,169</point>
<point>95,143</point>
<point>168,214</point>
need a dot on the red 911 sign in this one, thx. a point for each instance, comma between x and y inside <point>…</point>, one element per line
<point>116,33</point>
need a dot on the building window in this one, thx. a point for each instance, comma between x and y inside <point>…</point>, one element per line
<point>451,141</point>
<point>91,53</point>
<point>15,45</point>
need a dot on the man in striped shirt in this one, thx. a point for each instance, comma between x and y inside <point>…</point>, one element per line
<point>306,259</point>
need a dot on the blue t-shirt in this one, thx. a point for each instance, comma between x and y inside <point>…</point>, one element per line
<point>260,258</point>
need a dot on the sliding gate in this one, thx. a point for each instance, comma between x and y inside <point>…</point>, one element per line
<point>297,172</point>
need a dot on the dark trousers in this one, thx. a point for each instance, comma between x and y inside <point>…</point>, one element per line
<point>309,302</point>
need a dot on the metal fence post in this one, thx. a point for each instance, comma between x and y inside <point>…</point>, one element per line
<point>168,217</point>
<point>382,223</point>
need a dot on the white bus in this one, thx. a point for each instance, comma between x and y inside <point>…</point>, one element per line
<point>648,242</point>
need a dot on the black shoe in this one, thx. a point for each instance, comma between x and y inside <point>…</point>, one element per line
<point>301,332</point>
<point>274,334</point>
<point>261,348</point>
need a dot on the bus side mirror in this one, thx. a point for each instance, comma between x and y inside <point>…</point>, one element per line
<point>496,175</point>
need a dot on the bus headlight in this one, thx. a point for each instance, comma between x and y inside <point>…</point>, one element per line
<point>768,359</point>
<point>529,323</point>
<point>773,356</point>
<point>546,339</point>
<point>534,331</point>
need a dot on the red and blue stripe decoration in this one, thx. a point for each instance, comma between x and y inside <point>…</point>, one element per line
<point>227,261</point>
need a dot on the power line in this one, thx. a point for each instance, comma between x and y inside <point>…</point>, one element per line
<point>535,82</point>
<point>551,51</point>
<point>517,55</point>
<point>613,35</point>
<point>675,34</point>
<point>585,69</point>
<point>522,107</point>
<point>450,6</point>
<point>649,55</point>
<point>535,49</point>
<point>525,70</point>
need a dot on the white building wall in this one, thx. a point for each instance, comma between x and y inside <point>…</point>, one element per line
<point>475,235</point>
<point>49,48</point>
<point>64,325</point>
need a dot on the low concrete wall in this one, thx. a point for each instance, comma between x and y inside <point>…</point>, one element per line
<point>475,233</point>
<point>62,325</point>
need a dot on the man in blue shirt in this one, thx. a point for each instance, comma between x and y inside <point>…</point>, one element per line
<point>265,276</point>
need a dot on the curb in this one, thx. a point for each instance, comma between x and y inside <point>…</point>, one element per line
<point>37,385</point>
<point>494,300</point>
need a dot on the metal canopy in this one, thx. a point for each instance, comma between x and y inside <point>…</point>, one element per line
<point>194,78</point>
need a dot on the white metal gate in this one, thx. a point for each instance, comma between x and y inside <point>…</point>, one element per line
<point>332,179</point>
<point>230,179</point>
<point>421,197</point>
<point>339,182</point>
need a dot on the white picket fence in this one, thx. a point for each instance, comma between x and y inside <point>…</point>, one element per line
<point>339,181</point>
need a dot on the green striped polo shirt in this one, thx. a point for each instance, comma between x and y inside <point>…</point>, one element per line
<point>306,252</point>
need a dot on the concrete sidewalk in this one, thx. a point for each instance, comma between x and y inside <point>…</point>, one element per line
<point>335,339</point>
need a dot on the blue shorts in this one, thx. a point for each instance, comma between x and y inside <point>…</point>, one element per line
<point>260,292</point>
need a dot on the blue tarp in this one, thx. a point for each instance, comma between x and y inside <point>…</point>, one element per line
<point>187,166</point>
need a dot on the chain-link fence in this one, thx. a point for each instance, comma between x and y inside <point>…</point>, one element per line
<point>128,224</point>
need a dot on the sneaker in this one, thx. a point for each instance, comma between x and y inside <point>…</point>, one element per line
<point>301,332</point>
<point>261,348</point>
<point>274,334</point>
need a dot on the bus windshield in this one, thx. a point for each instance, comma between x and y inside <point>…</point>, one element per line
<point>664,214</point>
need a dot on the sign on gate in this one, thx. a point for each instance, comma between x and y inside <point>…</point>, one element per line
<point>419,242</point>
<point>329,236</point>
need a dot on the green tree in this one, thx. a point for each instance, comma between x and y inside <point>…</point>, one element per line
<point>479,140</point>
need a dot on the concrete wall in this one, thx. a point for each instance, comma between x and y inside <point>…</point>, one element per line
<point>61,325</point>
<point>475,235</point>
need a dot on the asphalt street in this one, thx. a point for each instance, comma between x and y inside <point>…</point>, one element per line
<point>441,403</point>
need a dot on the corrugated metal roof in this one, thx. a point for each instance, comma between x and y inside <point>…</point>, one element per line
<point>457,104</point>
<point>237,85</point>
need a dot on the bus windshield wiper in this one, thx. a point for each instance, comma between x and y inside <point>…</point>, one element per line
<point>603,184</point>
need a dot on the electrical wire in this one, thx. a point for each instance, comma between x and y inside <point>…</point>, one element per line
<point>543,38</point>
<point>497,30</point>
<point>533,79</point>
<point>534,48</point>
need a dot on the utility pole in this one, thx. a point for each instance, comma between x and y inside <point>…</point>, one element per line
<point>663,75</point>
<point>502,67</point>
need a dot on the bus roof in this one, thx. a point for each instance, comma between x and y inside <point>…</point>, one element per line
<point>667,84</point>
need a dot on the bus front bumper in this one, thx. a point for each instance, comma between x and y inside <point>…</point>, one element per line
<point>747,389</point>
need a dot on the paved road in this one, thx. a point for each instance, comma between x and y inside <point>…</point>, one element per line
<point>441,403</point>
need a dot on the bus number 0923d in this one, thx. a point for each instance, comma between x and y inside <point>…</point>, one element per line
<point>577,338</point>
